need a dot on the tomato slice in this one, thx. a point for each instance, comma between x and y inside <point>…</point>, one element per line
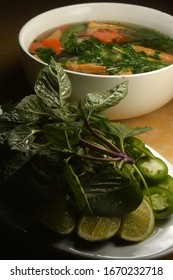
<point>162,202</point>
<point>54,44</point>
<point>108,36</point>
<point>35,45</point>
<point>153,169</point>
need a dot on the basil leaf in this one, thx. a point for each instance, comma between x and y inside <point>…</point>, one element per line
<point>53,85</point>
<point>111,194</point>
<point>136,148</point>
<point>53,88</point>
<point>123,131</point>
<point>22,138</point>
<point>31,109</point>
<point>76,189</point>
<point>12,161</point>
<point>97,102</point>
<point>5,128</point>
<point>120,130</point>
<point>10,117</point>
<point>63,136</point>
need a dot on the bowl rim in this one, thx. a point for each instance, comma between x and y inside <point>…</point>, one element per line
<point>71,6</point>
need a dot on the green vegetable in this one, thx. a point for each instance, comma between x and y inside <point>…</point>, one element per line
<point>73,146</point>
<point>152,39</point>
<point>162,197</point>
<point>45,54</point>
<point>116,58</point>
<point>153,169</point>
<point>167,183</point>
<point>162,202</point>
<point>108,187</point>
<point>71,30</point>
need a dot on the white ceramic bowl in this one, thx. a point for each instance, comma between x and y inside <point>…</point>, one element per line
<point>146,92</point>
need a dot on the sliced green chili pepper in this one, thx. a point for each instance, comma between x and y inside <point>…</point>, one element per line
<point>162,202</point>
<point>153,169</point>
<point>167,183</point>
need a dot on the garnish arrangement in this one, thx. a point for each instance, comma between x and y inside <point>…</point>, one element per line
<point>92,176</point>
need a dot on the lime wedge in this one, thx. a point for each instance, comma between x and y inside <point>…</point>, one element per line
<point>95,228</point>
<point>139,224</point>
<point>59,218</point>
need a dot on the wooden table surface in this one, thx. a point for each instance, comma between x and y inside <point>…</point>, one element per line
<point>14,85</point>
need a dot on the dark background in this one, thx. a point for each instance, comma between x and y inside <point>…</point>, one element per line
<point>13,85</point>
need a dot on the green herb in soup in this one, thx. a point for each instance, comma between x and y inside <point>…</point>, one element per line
<point>105,48</point>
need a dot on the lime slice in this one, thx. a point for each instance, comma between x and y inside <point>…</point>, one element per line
<point>139,224</point>
<point>59,218</point>
<point>95,228</point>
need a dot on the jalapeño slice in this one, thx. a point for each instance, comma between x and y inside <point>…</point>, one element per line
<point>153,169</point>
<point>162,202</point>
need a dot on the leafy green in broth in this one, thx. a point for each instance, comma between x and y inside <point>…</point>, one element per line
<point>104,48</point>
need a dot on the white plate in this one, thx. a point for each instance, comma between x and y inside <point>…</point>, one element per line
<point>159,244</point>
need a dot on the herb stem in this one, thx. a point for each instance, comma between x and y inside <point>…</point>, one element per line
<point>144,184</point>
<point>113,150</point>
<point>101,159</point>
<point>103,139</point>
<point>114,155</point>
